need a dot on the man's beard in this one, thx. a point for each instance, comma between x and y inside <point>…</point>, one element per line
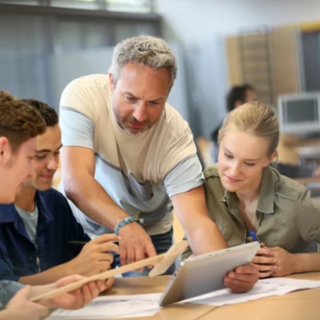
<point>122,123</point>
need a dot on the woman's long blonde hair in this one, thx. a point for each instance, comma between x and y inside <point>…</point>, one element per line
<point>254,118</point>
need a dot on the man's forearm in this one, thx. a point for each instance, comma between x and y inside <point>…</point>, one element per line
<point>202,233</point>
<point>88,195</point>
<point>206,238</point>
<point>49,276</point>
<point>307,262</point>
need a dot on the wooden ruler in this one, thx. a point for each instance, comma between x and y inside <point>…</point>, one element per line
<point>162,263</point>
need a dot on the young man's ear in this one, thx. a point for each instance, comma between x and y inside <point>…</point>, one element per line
<point>5,150</point>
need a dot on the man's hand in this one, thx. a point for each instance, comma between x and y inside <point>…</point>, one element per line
<point>265,262</point>
<point>20,308</point>
<point>242,279</point>
<point>95,257</point>
<point>135,244</point>
<point>80,297</point>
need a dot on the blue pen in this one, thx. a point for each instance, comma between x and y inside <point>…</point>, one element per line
<point>253,235</point>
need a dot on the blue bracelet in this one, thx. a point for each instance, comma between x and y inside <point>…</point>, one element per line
<point>124,222</point>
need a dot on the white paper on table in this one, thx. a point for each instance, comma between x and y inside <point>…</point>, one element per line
<point>263,288</point>
<point>107,307</point>
<point>298,283</point>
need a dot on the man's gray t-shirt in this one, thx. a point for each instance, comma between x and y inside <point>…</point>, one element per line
<point>30,220</point>
<point>139,172</point>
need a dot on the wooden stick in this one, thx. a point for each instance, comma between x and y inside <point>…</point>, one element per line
<point>162,261</point>
<point>169,258</point>
<point>101,276</point>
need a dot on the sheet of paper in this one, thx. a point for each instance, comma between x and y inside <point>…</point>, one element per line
<point>113,307</point>
<point>298,283</point>
<point>264,288</point>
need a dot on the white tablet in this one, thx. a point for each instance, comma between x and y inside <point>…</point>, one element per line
<point>203,274</point>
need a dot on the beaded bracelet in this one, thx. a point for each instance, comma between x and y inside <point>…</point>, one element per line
<point>124,222</point>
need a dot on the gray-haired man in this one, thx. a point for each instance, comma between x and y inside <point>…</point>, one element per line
<point>127,153</point>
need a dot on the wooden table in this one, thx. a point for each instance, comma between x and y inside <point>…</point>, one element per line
<point>143,285</point>
<point>300,305</point>
<point>293,306</point>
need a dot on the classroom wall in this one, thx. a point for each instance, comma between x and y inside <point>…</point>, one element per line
<point>35,42</point>
<point>201,25</point>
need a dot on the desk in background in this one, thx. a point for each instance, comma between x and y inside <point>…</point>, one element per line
<point>305,153</point>
<point>313,184</point>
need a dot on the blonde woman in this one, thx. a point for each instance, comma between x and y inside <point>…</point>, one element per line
<point>245,192</point>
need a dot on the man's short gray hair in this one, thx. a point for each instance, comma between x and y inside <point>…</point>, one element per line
<point>144,50</point>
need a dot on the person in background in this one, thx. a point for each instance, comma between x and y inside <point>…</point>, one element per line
<point>244,192</point>
<point>237,96</point>
<point>19,125</point>
<point>127,154</point>
<point>39,250</point>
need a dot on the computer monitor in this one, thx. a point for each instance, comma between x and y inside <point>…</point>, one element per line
<point>299,113</point>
